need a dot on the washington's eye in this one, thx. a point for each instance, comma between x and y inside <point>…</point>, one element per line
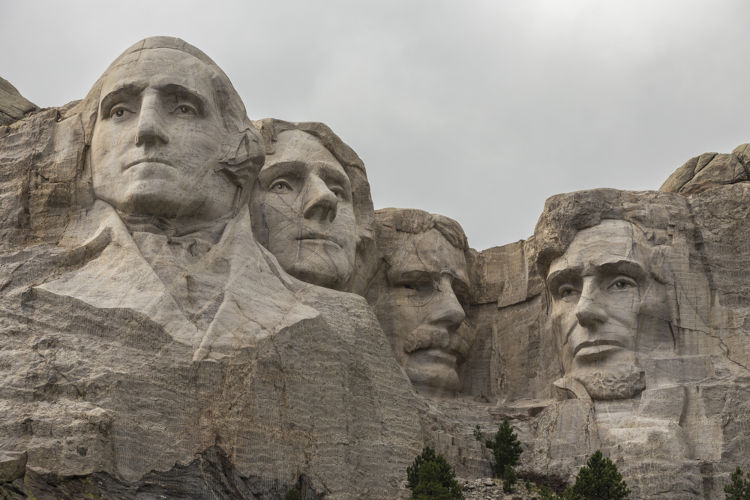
<point>186,109</point>
<point>622,283</point>
<point>280,187</point>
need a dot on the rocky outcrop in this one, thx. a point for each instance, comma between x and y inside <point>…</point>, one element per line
<point>13,106</point>
<point>148,350</point>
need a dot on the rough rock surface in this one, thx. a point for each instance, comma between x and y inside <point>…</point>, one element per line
<point>13,106</point>
<point>157,356</point>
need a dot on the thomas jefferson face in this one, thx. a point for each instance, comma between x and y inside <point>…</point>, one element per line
<point>597,288</point>
<point>303,198</point>
<point>157,140</point>
<point>420,311</point>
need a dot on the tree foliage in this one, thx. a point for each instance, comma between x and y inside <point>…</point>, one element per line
<point>430,477</point>
<point>738,487</point>
<point>506,449</point>
<point>599,479</point>
<point>509,479</point>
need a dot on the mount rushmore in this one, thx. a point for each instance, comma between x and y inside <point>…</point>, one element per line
<point>195,304</point>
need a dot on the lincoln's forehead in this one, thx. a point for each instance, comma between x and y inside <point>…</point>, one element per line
<point>609,242</point>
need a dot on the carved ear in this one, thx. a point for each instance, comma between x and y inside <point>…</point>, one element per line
<point>243,157</point>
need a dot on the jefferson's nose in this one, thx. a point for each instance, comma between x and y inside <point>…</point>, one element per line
<point>320,201</point>
<point>150,126</point>
<point>446,309</point>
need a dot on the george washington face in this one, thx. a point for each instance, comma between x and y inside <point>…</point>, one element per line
<point>156,144</point>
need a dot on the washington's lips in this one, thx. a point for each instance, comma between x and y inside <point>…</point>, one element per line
<point>317,236</point>
<point>149,160</point>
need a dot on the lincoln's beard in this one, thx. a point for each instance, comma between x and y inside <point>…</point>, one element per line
<point>622,381</point>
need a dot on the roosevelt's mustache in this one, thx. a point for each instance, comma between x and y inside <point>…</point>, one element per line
<point>457,341</point>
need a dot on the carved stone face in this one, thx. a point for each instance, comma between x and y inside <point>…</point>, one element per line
<point>157,139</point>
<point>303,200</point>
<point>597,289</point>
<point>420,310</point>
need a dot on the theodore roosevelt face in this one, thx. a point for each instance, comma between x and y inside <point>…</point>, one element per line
<point>421,311</point>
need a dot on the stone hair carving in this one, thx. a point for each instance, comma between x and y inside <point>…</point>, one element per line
<point>312,207</point>
<point>418,294</point>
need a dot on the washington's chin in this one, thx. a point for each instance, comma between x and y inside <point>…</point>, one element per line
<point>154,197</point>
<point>433,371</point>
<point>327,269</point>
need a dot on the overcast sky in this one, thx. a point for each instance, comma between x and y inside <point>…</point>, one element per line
<point>476,110</point>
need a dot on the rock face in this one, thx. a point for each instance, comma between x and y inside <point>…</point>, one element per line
<point>151,346</point>
<point>13,106</point>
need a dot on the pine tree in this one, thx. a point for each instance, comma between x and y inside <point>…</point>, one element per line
<point>738,488</point>
<point>599,479</point>
<point>430,477</point>
<point>509,479</point>
<point>505,447</point>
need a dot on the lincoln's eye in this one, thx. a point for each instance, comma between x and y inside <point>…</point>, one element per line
<point>119,112</point>
<point>566,291</point>
<point>623,283</point>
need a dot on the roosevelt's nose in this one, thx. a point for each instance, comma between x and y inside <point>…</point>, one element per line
<point>588,312</point>
<point>320,202</point>
<point>447,310</point>
<point>151,128</point>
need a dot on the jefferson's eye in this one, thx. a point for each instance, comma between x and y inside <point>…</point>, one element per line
<point>118,111</point>
<point>623,283</point>
<point>339,192</point>
<point>280,187</point>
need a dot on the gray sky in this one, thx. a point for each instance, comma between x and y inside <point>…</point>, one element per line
<point>478,110</point>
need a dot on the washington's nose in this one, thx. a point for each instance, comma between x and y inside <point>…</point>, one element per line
<point>447,310</point>
<point>589,313</point>
<point>320,202</point>
<point>150,127</point>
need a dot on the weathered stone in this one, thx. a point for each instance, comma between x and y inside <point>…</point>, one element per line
<point>13,106</point>
<point>151,346</point>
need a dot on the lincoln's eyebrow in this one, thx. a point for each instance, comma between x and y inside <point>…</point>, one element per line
<point>563,275</point>
<point>626,267</point>
<point>124,91</point>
